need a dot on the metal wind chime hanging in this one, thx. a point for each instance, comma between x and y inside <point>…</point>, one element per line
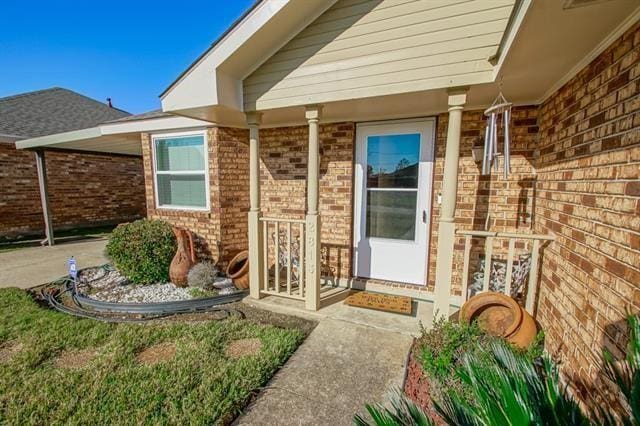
<point>500,109</point>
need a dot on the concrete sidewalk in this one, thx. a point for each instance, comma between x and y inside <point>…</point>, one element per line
<point>340,367</point>
<point>32,266</point>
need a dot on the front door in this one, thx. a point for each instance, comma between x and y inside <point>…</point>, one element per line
<point>394,167</point>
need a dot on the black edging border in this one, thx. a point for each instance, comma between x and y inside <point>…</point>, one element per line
<point>96,309</point>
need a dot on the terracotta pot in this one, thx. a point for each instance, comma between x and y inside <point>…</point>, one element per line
<point>238,269</point>
<point>184,259</point>
<point>500,315</point>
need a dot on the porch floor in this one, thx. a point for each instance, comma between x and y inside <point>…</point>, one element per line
<point>333,307</point>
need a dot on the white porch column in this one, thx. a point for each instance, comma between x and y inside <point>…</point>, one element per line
<point>446,225</point>
<point>255,227</point>
<point>312,220</point>
<point>41,167</point>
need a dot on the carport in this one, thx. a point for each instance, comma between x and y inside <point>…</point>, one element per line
<point>119,137</point>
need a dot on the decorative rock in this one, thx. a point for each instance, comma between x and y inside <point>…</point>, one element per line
<point>222,282</point>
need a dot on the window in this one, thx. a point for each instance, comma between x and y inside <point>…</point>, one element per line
<point>181,176</point>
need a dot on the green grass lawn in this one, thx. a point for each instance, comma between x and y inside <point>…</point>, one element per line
<point>198,384</point>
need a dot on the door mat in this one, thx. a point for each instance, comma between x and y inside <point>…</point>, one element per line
<point>380,302</point>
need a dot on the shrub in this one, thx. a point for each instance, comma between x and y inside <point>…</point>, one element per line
<point>202,275</point>
<point>441,351</point>
<point>142,250</point>
<point>508,387</point>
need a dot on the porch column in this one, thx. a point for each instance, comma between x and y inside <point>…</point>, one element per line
<point>446,225</point>
<point>255,228</point>
<point>312,220</point>
<point>41,166</point>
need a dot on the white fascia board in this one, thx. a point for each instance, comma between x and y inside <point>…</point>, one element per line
<point>153,125</point>
<point>135,126</point>
<point>58,138</point>
<point>199,85</point>
<point>518,17</point>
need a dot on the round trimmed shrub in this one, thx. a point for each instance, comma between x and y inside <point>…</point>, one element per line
<point>142,250</point>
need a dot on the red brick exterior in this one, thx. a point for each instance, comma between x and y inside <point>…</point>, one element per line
<point>84,190</point>
<point>222,231</point>
<point>575,173</point>
<point>283,179</point>
<point>588,194</point>
<point>507,203</point>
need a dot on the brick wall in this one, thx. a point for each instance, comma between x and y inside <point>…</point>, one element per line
<point>588,194</point>
<point>508,203</point>
<point>204,225</point>
<point>84,190</point>
<point>283,191</point>
<point>222,231</point>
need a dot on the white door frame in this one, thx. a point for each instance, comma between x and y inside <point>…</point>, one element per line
<point>427,127</point>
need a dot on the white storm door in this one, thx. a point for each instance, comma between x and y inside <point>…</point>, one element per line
<point>394,168</point>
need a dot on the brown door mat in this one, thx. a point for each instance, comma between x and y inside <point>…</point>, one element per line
<point>380,302</point>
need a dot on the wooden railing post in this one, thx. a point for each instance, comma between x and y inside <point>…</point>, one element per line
<point>313,217</point>
<point>255,230</point>
<point>532,286</point>
<point>446,225</point>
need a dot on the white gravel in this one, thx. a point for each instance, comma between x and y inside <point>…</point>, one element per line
<point>110,286</point>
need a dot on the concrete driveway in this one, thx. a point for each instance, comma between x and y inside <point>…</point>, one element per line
<point>32,266</point>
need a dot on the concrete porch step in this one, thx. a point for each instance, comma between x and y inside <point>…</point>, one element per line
<point>332,306</point>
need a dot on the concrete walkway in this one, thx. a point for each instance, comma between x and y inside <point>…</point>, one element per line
<point>340,367</point>
<point>32,266</point>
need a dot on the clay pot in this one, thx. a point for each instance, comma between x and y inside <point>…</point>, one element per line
<point>500,315</point>
<point>238,269</point>
<point>184,259</point>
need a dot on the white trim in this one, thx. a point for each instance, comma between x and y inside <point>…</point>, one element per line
<point>157,124</point>
<point>163,135</point>
<point>586,60</point>
<point>153,125</point>
<point>75,135</point>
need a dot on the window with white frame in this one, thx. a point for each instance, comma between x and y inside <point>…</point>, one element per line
<point>181,175</point>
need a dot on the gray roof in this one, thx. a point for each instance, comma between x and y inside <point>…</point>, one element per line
<point>156,113</point>
<point>51,111</point>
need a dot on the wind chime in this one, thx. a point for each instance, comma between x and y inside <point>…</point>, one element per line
<point>500,109</point>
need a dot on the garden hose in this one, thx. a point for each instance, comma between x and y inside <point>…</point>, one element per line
<point>86,307</point>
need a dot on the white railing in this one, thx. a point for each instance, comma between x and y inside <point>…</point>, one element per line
<point>283,257</point>
<point>532,240</point>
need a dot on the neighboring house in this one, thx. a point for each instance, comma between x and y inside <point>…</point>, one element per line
<point>351,125</point>
<point>84,189</point>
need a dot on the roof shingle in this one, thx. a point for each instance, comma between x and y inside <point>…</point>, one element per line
<point>51,111</point>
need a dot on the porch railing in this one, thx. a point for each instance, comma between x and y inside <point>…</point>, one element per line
<point>283,257</point>
<point>534,242</point>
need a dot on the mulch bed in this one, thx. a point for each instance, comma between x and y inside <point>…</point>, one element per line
<point>417,385</point>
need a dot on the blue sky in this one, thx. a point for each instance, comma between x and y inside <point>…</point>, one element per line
<point>127,50</point>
